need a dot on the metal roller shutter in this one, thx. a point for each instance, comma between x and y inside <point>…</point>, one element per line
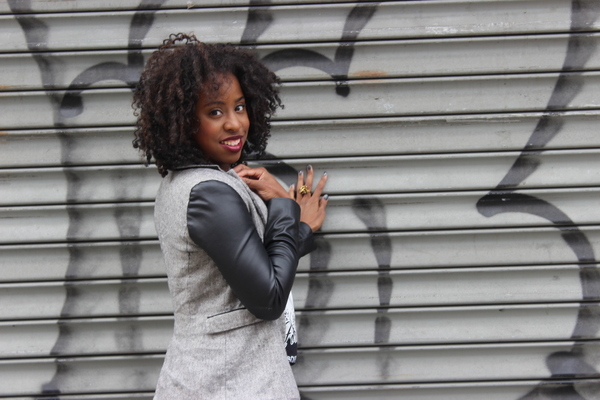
<point>458,260</point>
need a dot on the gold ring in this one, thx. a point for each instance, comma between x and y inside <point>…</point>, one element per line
<point>304,189</point>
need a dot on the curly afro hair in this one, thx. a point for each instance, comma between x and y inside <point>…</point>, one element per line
<point>165,99</point>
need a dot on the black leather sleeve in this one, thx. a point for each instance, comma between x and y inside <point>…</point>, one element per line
<point>260,274</point>
<point>306,240</point>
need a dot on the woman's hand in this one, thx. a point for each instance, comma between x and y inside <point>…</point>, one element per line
<point>261,182</point>
<point>312,205</point>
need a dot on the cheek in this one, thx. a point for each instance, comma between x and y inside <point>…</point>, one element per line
<point>203,135</point>
<point>197,140</point>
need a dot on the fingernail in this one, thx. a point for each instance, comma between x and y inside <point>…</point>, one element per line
<point>326,197</point>
<point>309,167</point>
<point>293,187</point>
<point>325,173</point>
<point>300,173</point>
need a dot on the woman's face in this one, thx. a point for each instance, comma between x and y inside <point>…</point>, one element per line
<point>224,123</point>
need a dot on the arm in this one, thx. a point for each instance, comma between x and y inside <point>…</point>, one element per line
<point>312,208</point>
<point>306,240</point>
<point>260,275</point>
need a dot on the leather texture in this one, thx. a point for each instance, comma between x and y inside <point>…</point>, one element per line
<point>260,275</point>
<point>219,349</point>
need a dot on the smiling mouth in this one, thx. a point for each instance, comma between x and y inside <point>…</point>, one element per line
<point>233,143</point>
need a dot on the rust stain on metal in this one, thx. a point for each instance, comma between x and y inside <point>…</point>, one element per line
<point>369,73</point>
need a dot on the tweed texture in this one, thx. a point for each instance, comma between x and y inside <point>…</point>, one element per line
<point>219,350</point>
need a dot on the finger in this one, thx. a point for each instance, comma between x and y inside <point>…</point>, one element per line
<point>320,185</point>
<point>292,192</point>
<point>250,173</point>
<point>253,184</point>
<point>299,183</point>
<point>240,167</point>
<point>323,201</point>
<point>309,177</point>
<point>262,171</point>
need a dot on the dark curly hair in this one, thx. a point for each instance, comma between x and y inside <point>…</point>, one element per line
<point>169,88</point>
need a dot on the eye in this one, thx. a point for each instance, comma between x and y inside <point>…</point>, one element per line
<point>240,107</point>
<point>215,113</point>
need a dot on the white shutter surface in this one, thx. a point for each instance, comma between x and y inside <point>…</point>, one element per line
<point>458,260</point>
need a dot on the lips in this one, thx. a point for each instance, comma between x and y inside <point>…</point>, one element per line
<point>233,143</point>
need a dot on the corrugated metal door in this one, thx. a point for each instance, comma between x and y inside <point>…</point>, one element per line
<point>461,139</point>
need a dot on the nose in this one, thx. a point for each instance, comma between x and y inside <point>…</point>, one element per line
<point>232,123</point>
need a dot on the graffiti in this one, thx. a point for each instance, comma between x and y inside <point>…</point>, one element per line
<point>128,223</point>
<point>503,199</point>
<point>372,213</point>
<point>70,104</point>
<point>336,68</point>
<point>369,210</point>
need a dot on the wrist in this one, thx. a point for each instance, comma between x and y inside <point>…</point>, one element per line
<point>282,194</point>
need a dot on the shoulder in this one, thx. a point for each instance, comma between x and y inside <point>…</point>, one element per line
<point>174,190</point>
<point>215,192</point>
<point>179,188</point>
<point>178,184</point>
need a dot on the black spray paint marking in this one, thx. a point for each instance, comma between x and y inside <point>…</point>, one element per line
<point>36,33</point>
<point>320,286</point>
<point>320,289</point>
<point>259,20</point>
<point>503,199</point>
<point>72,103</point>
<point>371,212</point>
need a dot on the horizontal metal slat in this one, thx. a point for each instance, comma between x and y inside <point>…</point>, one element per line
<point>453,248</point>
<point>490,285</point>
<point>355,137</point>
<point>81,260</point>
<point>467,286</point>
<point>393,212</point>
<point>507,390</point>
<point>416,173</point>
<point>486,247</point>
<point>42,6</point>
<point>380,136</point>
<point>503,390</point>
<point>80,375</point>
<point>146,395</point>
<point>85,337</point>
<point>315,329</point>
<point>347,176</point>
<point>324,22</point>
<point>445,325</point>
<point>86,184</point>
<point>451,363</point>
<point>394,365</point>
<point>86,299</point>
<point>94,222</point>
<point>367,98</point>
<point>384,59</point>
<point>453,210</point>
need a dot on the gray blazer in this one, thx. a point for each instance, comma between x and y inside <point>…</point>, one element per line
<point>219,350</point>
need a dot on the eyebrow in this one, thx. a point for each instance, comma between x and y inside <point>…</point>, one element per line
<point>210,103</point>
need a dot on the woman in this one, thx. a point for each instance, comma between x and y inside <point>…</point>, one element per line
<point>231,235</point>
